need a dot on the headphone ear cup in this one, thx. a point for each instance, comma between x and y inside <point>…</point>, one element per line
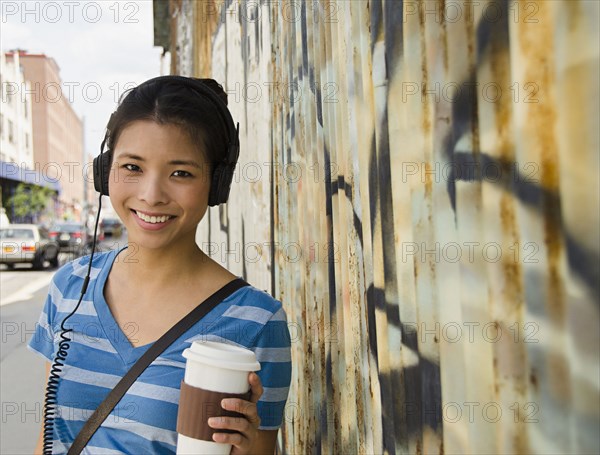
<point>213,195</point>
<point>223,176</point>
<point>101,172</point>
<point>220,184</point>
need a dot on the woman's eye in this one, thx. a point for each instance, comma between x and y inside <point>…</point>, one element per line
<point>181,174</point>
<point>131,167</point>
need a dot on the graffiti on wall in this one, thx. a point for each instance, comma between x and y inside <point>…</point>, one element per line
<point>418,185</point>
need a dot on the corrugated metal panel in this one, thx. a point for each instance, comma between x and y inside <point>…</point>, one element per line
<point>424,187</point>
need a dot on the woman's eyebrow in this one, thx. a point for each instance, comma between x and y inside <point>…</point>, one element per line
<point>130,156</point>
<point>184,163</point>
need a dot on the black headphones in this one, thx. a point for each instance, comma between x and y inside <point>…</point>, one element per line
<point>222,174</point>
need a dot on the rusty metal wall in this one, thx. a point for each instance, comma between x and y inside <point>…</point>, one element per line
<point>419,186</point>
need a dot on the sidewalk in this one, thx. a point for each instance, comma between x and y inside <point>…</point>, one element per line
<point>22,378</point>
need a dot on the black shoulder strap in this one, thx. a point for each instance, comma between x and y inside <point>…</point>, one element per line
<point>115,395</point>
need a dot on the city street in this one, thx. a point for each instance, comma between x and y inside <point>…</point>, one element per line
<point>22,376</point>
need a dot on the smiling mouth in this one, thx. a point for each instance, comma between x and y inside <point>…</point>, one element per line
<point>153,219</point>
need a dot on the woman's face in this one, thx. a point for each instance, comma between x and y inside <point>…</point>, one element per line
<point>158,184</point>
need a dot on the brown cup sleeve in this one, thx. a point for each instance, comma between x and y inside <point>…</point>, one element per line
<point>197,405</point>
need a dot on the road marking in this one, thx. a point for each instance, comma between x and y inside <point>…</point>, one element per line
<point>26,292</point>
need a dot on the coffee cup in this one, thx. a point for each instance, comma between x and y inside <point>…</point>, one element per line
<point>213,371</point>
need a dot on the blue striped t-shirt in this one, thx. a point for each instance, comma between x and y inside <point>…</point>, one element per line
<point>100,354</point>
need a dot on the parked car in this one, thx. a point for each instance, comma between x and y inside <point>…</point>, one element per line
<point>112,227</point>
<point>27,243</point>
<point>71,237</point>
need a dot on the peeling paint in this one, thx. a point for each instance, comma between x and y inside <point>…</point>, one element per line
<point>445,209</point>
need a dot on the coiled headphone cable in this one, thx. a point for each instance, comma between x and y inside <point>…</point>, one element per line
<point>50,399</point>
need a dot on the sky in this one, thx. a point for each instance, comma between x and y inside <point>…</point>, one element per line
<point>101,47</point>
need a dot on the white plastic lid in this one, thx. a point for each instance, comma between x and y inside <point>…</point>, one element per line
<point>222,355</point>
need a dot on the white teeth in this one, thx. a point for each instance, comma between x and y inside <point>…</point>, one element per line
<point>153,219</point>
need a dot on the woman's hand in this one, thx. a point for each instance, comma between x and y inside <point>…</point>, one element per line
<point>247,428</point>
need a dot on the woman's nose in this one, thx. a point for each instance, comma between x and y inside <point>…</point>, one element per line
<point>152,190</point>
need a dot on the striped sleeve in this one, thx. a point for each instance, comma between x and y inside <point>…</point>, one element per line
<point>272,349</point>
<point>42,341</point>
<point>63,294</point>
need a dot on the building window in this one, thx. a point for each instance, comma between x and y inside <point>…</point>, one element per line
<point>26,140</point>
<point>1,125</point>
<point>25,107</point>
<point>11,137</point>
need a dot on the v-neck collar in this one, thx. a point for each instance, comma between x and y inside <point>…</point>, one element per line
<point>113,332</point>
<point>129,354</point>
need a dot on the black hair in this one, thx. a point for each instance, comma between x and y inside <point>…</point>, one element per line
<point>168,100</point>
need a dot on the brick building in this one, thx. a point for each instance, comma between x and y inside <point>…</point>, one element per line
<point>57,132</point>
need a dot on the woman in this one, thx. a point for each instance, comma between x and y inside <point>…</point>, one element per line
<point>165,141</point>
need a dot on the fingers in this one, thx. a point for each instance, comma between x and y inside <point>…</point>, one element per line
<point>235,439</point>
<point>246,427</point>
<point>255,386</point>
<point>247,408</point>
